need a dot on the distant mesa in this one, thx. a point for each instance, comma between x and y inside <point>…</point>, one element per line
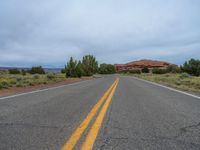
<point>140,64</point>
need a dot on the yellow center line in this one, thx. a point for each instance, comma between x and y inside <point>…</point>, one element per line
<point>69,145</point>
<point>91,137</point>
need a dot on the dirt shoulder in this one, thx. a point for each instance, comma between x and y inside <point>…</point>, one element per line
<point>18,90</point>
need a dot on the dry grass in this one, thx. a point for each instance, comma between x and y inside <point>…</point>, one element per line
<point>18,80</point>
<point>180,81</point>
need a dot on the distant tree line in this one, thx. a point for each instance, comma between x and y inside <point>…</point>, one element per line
<point>88,66</point>
<point>33,70</point>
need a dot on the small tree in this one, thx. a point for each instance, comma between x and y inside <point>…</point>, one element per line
<point>145,70</point>
<point>90,65</point>
<point>107,69</point>
<point>63,71</point>
<point>191,67</point>
<point>79,69</point>
<point>70,68</point>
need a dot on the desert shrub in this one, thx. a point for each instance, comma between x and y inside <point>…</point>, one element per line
<point>23,72</point>
<point>31,83</point>
<point>107,69</point>
<point>159,71</point>
<point>13,71</point>
<point>50,76</point>
<point>184,75</point>
<point>135,71</point>
<point>145,70</point>
<point>36,76</point>
<point>173,69</point>
<point>191,67</point>
<point>19,85</point>
<point>36,70</point>
<point>18,79</point>
<point>13,82</point>
<point>4,84</point>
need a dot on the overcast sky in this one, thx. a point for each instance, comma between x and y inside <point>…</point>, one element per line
<point>48,32</point>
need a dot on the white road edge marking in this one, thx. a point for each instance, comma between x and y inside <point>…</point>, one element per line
<point>169,88</point>
<point>36,91</point>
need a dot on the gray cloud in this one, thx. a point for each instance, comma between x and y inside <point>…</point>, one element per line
<point>48,32</point>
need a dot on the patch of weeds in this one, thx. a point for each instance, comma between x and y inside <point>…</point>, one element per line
<point>50,76</point>
<point>36,76</point>
<point>18,79</point>
<point>184,75</point>
<point>31,84</point>
<point>4,84</point>
<point>19,85</point>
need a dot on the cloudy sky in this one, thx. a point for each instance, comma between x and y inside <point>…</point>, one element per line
<point>48,32</point>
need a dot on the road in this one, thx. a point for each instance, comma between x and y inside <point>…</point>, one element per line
<point>112,112</point>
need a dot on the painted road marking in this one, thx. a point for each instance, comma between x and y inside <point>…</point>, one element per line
<point>92,135</point>
<point>79,131</point>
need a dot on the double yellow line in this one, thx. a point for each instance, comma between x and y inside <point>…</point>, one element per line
<point>93,132</point>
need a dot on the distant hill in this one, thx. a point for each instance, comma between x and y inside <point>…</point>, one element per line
<point>140,64</point>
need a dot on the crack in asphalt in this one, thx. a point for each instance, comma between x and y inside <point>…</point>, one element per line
<point>185,129</point>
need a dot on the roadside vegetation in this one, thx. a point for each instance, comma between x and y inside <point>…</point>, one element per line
<point>36,75</point>
<point>20,80</point>
<point>186,77</point>
<point>88,66</point>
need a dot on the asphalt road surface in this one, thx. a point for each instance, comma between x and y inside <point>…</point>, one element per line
<point>112,112</point>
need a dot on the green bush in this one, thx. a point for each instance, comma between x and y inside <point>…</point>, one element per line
<point>107,69</point>
<point>79,69</point>
<point>23,72</point>
<point>36,70</point>
<point>90,65</point>
<point>173,69</point>
<point>184,75</point>
<point>13,71</point>
<point>192,67</point>
<point>70,68</point>
<point>63,71</point>
<point>145,70</point>
<point>136,71</point>
<point>159,71</point>
<point>4,84</point>
<point>18,79</point>
<point>50,76</point>
<point>36,76</point>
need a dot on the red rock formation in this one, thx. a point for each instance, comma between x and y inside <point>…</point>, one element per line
<point>141,64</point>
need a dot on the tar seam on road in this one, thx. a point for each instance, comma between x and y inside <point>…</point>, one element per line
<point>42,90</point>
<point>169,88</point>
<point>76,135</point>
<point>92,135</point>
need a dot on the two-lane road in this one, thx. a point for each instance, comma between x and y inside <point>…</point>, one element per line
<point>104,113</point>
